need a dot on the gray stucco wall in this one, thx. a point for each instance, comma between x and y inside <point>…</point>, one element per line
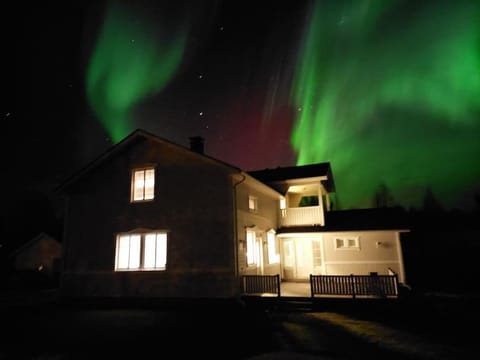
<point>193,203</point>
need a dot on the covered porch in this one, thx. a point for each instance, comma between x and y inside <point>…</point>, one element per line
<point>336,286</point>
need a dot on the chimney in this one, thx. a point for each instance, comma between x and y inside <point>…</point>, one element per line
<point>197,144</point>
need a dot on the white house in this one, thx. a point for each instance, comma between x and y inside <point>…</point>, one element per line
<point>151,218</point>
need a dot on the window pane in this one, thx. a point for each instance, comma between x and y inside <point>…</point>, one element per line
<point>339,243</point>
<point>134,258</point>
<point>122,252</point>
<point>316,252</point>
<point>252,203</point>
<point>161,251</point>
<point>250,247</point>
<point>149,252</point>
<point>149,184</point>
<point>138,185</point>
<point>273,256</point>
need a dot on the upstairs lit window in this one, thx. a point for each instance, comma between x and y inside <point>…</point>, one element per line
<point>143,184</point>
<point>252,203</point>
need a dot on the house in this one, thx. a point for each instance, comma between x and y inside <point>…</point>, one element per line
<point>41,253</point>
<point>37,262</point>
<point>151,218</point>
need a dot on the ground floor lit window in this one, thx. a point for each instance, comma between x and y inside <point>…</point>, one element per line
<point>251,240</point>
<point>142,251</point>
<point>273,248</point>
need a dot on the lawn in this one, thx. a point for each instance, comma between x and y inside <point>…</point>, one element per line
<point>426,328</point>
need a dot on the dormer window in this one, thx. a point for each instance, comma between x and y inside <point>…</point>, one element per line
<point>143,184</point>
<point>252,204</point>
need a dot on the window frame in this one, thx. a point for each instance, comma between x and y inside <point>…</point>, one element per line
<point>250,243</point>
<point>133,181</point>
<point>142,255</point>
<point>273,254</point>
<point>346,243</point>
<point>253,200</point>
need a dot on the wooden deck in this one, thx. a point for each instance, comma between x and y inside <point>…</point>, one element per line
<point>341,286</point>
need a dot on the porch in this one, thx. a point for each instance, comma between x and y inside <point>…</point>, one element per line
<point>322,286</point>
<point>297,216</point>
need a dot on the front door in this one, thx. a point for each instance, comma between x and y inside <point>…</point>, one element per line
<point>303,258</point>
<point>297,258</point>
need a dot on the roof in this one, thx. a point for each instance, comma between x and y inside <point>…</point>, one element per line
<point>280,174</point>
<point>395,218</point>
<point>32,241</point>
<point>131,138</point>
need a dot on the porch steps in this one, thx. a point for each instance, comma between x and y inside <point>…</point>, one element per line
<point>294,304</point>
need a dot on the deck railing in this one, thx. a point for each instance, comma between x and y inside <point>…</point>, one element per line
<point>261,284</point>
<point>308,215</point>
<point>354,285</point>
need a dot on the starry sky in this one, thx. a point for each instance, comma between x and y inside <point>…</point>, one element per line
<point>387,91</point>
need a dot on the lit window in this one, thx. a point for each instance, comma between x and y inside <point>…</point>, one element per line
<point>273,250</point>
<point>141,251</point>
<point>283,204</point>
<point>143,184</point>
<point>347,243</point>
<point>251,239</point>
<point>252,203</point>
<point>316,253</point>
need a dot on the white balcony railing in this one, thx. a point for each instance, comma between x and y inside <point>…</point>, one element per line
<point>307,215</point>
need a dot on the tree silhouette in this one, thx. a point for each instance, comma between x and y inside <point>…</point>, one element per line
<point>430,202</point>
<point>383,197</point>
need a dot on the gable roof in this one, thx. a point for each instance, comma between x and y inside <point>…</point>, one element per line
<point>33,241</point>
<point>129,139</point>
<point>280,174</point>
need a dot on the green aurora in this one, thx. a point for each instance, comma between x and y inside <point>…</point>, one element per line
<point>389,93</point>
<point>135,56</point>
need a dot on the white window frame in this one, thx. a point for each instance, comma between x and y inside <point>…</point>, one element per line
<point>346,243</point>
<point>143,184</point>
<point>316,253</point>
<point>252,203</point>
<point>251,239</point>
<point>142,251</point>
<point>273,248</point>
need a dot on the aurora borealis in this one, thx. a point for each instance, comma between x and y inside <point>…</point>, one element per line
<point>132,59</point>
<point>389,93</point>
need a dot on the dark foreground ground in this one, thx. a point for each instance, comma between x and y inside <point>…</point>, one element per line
<point>426,327</point>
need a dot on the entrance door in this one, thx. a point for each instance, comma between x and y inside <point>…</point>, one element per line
<point>297,258</point>
<point>303,258</point>
<point>288,259</point>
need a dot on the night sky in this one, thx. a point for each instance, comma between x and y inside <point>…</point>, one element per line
<point>387,91</point>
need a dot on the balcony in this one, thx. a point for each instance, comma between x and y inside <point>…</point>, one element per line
<point>301,216</point>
